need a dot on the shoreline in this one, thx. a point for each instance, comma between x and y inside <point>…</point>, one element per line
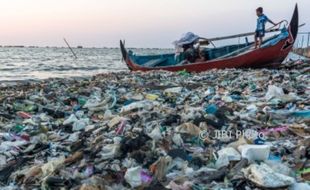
<point>295,64</point>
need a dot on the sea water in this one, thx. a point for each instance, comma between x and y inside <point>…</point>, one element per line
<point>42,63</point>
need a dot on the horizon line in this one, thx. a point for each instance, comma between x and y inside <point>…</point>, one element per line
<point>79,47</point>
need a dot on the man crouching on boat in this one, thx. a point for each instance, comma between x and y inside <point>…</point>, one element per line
<point>187,49</point>
<point>260,28</point>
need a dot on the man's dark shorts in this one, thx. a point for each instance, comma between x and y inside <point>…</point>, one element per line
<point>259,33</point>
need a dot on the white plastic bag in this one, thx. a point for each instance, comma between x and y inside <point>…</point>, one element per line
<point>274,92</point>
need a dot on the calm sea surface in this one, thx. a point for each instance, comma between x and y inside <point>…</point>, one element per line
<point>42,63</point>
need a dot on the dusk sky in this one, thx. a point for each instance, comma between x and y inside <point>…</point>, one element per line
<point>143,23</point>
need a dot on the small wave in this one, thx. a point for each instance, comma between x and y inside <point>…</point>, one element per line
<point>7,69</point>
<point>21,63</point>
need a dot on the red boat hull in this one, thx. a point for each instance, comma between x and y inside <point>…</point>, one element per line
<point>258,58</point>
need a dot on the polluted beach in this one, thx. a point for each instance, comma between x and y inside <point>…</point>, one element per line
<point>202,114</point>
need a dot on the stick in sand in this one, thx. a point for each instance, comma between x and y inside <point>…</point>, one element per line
<point>70,48</point>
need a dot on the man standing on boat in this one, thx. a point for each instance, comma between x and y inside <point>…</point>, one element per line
<point>260,28</point>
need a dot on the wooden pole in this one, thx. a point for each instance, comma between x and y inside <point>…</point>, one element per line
<point>205,41</point>
<point>302,41</point>
<point>308,39</point>
<point>70,48</point>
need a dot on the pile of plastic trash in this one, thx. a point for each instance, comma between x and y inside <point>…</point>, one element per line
<point>222,129</point>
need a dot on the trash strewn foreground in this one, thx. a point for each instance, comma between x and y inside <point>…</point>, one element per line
<point>228,129</point>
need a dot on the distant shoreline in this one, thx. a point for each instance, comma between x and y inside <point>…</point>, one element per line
<point>78,47</point>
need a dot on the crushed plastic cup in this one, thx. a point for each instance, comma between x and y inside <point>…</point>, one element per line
<point>226,155</point>
<point>255,152</point>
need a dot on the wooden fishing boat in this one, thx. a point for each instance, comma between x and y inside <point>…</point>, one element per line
<point>273,50</point>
